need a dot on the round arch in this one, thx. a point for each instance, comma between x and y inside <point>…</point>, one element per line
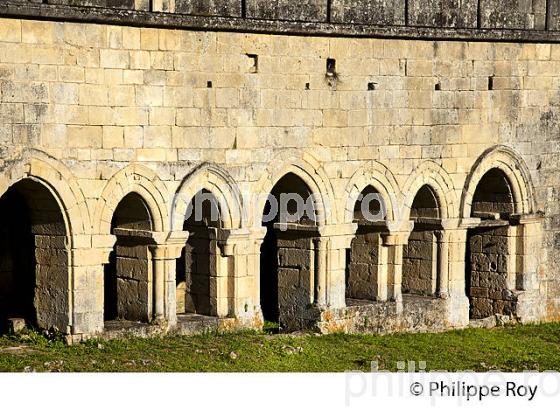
<point>379,177</point>
<point>310,171</point>
<point>61,185</point>
<point>434,176</point>
<point>140,180</point>
<point>512,165</point>
<point>218,182</point>
<point>59,181</point>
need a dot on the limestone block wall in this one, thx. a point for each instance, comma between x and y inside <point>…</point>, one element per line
<point>201,271</point>
<point>134,281</point>
<point>295,278</point>
<point>51,299</point>
<point>490,290</point>
<point>420,263</point>
<point>97,111</point>
<point>362,266</point>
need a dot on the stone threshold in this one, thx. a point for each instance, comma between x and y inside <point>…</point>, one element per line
<point>492,321</point>
<point>187,325</point>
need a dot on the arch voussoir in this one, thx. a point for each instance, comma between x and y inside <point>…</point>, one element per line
<point>514,168</point>
<point>138,179</point>
<point>218,182</point>
<point>310,171</point>
<point>380,178</point>
<point>436,177</point>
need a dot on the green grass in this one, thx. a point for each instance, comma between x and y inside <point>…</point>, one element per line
<point>535,347</point>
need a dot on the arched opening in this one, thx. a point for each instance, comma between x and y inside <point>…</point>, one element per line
<point>34,258</point>
<point>420,254</point>
<point>493,197</point>
<point>200,269</point>
<point>128,285</point>
<point>490,274</point>
<point>364,262</point>
<point>288,257</point>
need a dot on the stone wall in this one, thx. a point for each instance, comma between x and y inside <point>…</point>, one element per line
<point>465,14</point>
<point>417,314</point>
<point>447,13</point>
<point>490,290</point>
<point>96,111</point>
<point>305,10</point>
<point>295,279</point>
<point>134,281</point>
<point>201,269</point>
<point>379,12</point>
<point>225,8</point>
<point>522,14</point>
<point>362,269</point>
<point>420,264</point>
<point>51,300</point>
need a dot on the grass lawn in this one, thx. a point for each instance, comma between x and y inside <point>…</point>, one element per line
<point>534,347</point>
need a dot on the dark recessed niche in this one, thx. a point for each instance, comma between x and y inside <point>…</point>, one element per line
<point>254,68</point>
<point>209,84</point>
<point>438,87</point>
<point>307,86</point>
<point>490,83</point>
<point>331,67</point>
<point>371,86</point>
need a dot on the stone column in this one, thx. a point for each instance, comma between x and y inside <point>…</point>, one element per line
<point>89,255</point>
<point>165,252</point>
<point>392,254</point>
<point>241,247</point>
<point>320,271</point>
<point>382,289</point>
<point>513,262</point>
<point>334,240</point>
<point>530,306</point>
<point>158,259</point>
<point>442,264</point>
<point>220,285</point>
<point>458,302</point>
<point>529,237</point>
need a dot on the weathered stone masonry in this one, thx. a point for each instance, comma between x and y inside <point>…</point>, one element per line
<point>116,115</point>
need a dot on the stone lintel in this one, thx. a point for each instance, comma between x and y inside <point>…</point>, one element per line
<point>296,227</point>
<point>338,230</point>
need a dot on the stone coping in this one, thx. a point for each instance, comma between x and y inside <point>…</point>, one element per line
<point>138,18</point>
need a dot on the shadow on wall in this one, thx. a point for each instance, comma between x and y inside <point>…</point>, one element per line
<point>128,281</point>
<point>287,257</point>
<point>420,254</point>
<point>490,276</point>
<point>197,269</point>
<point>33,257</point>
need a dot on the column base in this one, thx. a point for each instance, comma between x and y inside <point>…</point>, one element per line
<point>530,307</point>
